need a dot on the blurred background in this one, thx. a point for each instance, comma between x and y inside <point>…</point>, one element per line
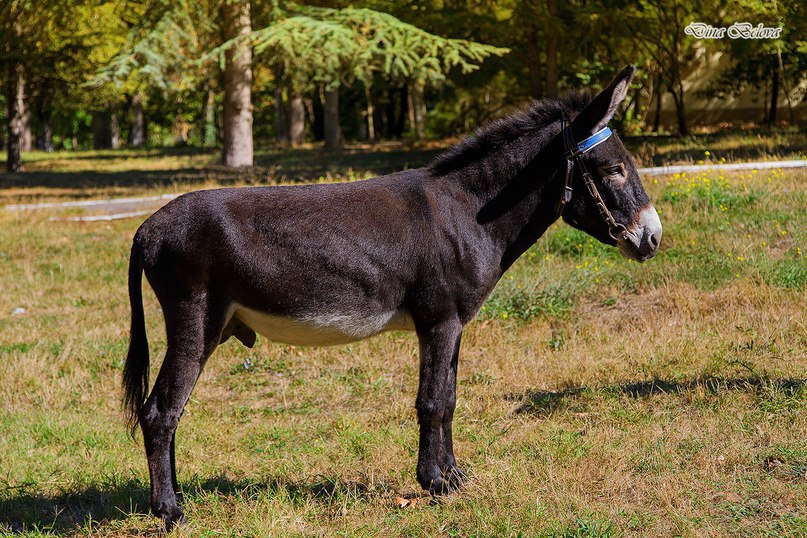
<point>233,74</point>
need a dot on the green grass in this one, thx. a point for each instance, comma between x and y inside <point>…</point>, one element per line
<point>597,396</point>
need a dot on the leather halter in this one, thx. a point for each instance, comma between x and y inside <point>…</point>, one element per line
<point>574,154</point>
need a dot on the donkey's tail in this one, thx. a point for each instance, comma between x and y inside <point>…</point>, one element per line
<point>136,369</point>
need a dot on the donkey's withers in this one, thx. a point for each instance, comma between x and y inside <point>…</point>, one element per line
<point>327,264</point>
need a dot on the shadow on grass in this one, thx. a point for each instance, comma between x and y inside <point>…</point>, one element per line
<point>544,403</point>
<point>272,165</point>
<point>68,513</point>
<point>740,154</point>
<point>319,489</point>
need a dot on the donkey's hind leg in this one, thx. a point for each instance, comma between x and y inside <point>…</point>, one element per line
<point>192,336</point>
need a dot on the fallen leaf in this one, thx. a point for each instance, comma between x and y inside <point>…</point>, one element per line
<point>772,462</point>
<point>402,502</point>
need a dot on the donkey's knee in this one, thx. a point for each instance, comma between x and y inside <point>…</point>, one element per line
<point>157,425</point>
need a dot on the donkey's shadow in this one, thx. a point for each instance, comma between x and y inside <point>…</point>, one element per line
<point>64,513</point>
<point>69,513</point>
<point>546,402</point>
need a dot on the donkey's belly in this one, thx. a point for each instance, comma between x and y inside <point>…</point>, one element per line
<point>325,329</point>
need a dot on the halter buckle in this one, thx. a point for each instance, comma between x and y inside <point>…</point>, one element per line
<point>567,194</point>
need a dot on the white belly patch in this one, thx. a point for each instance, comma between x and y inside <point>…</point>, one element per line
<point>322,329</point>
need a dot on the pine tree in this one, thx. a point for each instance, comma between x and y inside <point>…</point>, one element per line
<point>331,47</point>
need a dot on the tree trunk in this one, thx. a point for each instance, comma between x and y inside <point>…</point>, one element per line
<point>657,119</point>
<point>114,130</point>
<point>237,86</point>
<point>637,105</point>
<point>101,137</point>
<point>44,114</point>
<point>333,130</point>
<point>417,111</point>
<point>27,135</point>
<point>534,62</point>
<point>774,94</point>
<point>209,128</point>
<point>390,120</point>
<point>397,111</point>
<point>46,126</point>
<point>551,88</point>
<point>15,101</point>
<point>369,112</point>
<point>401,114</point>
<point>296,119</point>
<point>281,113</point>
<point>643,110</point>
<point>680,112</point>
<point>138,135</point>
<point>314,109</point>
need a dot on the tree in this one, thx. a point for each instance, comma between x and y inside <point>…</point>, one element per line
<point>21,25</point>
<point>331,47</point>
<point>770,63</point>
<point>658,30</point>
<point>190,62</point>
<point>306,53</point>
<point>47,48</point>
<point>237,85</point>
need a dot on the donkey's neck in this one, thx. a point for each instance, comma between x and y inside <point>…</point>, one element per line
<point>516,188</point>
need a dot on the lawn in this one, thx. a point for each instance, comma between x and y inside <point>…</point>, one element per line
<point>597,396</point>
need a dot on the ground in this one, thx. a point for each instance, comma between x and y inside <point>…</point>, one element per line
<point>597,396</point>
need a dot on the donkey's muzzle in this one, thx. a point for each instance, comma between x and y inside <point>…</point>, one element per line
<point>644,238</point>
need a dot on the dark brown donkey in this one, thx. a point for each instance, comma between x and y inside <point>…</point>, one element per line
<point>419,250</point>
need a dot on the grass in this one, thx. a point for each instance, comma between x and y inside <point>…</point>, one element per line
<point>597,396</point>
<point>721,144</point>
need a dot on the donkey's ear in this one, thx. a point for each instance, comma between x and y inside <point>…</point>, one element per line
<point>601,109</point>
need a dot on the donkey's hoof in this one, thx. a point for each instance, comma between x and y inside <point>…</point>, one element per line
<point>455,476</point>
<point>440,486</point>
<point>450,482</point>
<point>172,517</point>
<point>174,520</point>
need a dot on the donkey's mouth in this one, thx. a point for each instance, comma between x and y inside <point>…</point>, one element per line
<point>629,248</point>
<point>635,247</point>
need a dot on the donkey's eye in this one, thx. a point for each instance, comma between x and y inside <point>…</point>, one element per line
<point>614,170</point>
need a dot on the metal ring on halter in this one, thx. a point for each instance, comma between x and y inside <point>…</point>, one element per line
<point>618,232</point>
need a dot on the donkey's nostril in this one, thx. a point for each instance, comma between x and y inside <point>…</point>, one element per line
<point>654,239</point>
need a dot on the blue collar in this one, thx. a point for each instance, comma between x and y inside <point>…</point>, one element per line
<point>596,139</point>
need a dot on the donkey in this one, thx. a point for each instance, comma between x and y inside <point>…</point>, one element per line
<point>418,250</point>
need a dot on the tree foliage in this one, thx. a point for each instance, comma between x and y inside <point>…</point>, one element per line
<point>335,46</point>
<point>163,44</point>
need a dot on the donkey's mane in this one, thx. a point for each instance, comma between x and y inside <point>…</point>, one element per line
<point>500,134</point>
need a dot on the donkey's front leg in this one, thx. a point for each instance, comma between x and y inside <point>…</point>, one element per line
<point>437,469</point>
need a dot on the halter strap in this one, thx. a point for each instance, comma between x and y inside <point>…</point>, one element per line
<point>574,154</point>
<point>594,140</point>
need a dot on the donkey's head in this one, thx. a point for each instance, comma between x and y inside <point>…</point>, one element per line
<point>613,175</point>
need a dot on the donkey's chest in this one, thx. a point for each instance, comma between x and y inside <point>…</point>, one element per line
<point>322,328</point>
